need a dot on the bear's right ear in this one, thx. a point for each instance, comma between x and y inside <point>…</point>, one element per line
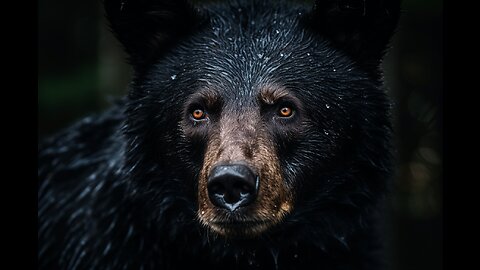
<point>361,28</point>
<point>146,28</point>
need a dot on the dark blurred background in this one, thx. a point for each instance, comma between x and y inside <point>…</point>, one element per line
<point>81,69</point>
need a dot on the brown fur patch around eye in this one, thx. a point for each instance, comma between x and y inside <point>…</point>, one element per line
<point>207,97</point>
<point>271,94</point>
<point>211,98</point>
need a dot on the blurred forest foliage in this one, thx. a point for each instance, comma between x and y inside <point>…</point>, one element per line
<point>82,69</point>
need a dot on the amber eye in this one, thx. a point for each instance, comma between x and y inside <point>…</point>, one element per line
<point>286,112</point>
<point>198,114</point>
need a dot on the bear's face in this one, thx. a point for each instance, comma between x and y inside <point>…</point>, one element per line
<point>267,112</point>
<point>255,115</point>
<point>241,186</point>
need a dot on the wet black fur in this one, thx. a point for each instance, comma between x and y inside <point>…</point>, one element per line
<point>118,190</point>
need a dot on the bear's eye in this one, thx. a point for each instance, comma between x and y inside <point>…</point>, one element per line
<point>285,111</point>
<point>198,114</point>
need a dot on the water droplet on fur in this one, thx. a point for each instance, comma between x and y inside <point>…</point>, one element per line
<point>173,77</point>
<point>274,253</point>
<point>260,55</point>
<point>281,54</point>
<point>334,70</point>
<point>130,231</point>
<point>326,132</point>
<point>236,257</point>
<point>328,106</point>
<point>277,31</point>
<point>308,54</point>
<point>107,249</point>
<point>252,22</point>
<point>203,212</point>
<point>239,9</point>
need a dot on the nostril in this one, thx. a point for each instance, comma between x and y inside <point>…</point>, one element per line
<point>232,186</point>
<point>216,188</point>
<point>242,188</point>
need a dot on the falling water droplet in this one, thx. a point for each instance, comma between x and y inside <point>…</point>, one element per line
<point>274,253</point>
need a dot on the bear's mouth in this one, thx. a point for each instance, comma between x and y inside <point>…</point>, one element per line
<point>245,222</point>
<point>240,228</point>
<point>240,224</point>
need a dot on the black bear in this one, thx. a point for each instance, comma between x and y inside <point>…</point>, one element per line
<point>255,135</point>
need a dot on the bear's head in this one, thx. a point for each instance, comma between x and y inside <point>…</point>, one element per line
<point>253,117</point>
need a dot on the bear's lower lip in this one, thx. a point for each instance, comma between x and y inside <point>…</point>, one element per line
<point>240,229</point>
<point>240,224</point>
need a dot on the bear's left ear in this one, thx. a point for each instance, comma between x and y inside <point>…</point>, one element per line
<point>362,28</point>
<point>146,28</point>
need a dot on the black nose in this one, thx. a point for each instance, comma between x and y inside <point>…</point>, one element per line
<point>232,186</point>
